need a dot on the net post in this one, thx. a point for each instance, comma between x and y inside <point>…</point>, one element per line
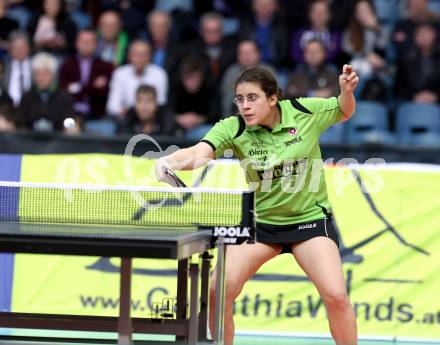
<point>248,213</point>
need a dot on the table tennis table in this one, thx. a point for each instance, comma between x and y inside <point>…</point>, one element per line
<point>66,232</point>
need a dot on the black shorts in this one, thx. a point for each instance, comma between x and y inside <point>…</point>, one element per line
<point>286,235</point>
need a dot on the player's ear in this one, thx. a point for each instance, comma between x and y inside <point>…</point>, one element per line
<point>273,99</point>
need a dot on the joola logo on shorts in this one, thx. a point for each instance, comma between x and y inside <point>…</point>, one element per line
<point>307,226</point>
<point>231,233</point>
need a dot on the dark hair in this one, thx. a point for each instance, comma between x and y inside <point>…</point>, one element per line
<point>263,78</point>
<point>192,64</point>
<point>355,28</point>
<point>146,90</point>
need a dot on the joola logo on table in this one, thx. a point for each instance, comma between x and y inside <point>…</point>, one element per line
<point>232,233</point>
<point>254,152</point>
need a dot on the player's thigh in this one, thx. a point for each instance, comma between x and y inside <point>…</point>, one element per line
<point>243,261</point>
<point>320,260</point>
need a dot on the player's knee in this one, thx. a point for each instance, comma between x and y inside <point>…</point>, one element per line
<point>337,300</point>
<point>232,289</point>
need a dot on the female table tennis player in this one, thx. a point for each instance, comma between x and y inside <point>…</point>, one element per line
<point>278,142</point>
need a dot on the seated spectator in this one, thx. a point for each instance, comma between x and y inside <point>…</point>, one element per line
<point>7,25</point>
<point>365,41</point>
<point>193,99</point>
<point>319,18</point>
<point>248,55</point>
<point>147,116</point>
<point>213,49</point>
<point>4,96</point>
<point>159,36</point>
<point>267,27</point>
<point>418,71</point>
<point>417,12</point>
<point>8,118</point>
<point>45,107</point>
<point>51,28</point>
<point>18,72</point>
<point>86,77</point>
<point>315,77</point>
<point>126,79</point>
<point>112,41</point>
<point>132,13</point>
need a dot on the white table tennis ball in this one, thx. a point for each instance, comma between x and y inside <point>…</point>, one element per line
<point>69,123</point>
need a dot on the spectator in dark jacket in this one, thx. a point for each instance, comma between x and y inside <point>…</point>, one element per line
<point>315,77</point>
<point>268,28</point>
<point>87,77</point>
<point>193,99</point>
<point>147,116</point>
<point>45,107</point>
<point>418,71</point>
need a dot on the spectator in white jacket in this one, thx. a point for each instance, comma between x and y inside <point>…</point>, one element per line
<point>126,79</point>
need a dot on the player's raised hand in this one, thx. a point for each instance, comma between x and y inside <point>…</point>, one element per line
<point>348,80</point>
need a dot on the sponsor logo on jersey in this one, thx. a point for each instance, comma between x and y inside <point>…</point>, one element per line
<point>293,131</point>
<point>293,141</point>
<point>285,169</point>
<point>257,143</point>
<point>256,152</point>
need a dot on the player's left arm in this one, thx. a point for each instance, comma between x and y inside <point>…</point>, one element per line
<point>348,81</point>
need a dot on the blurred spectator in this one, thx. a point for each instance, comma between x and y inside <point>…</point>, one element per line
<point>52,29</point>
<point>365,41</point>
<point>314,77</point>
<point>212,48</point>
<point>18,71</point>
<point>126,79</point>
<point>45,107</point>
<point>8,118</point>
<point>86,77</point>
<point>248,55</point>
<point>4,96</point>
<point>231,11</point>
<point>7,25</point>
<point>147,116</point>
<point>132,13</point>
<point>417,12</point>
<point>193,99</point>
<point>112,41</point>
<point>159,36</point>
<point>341,13</point>
<point>267,27</point>
<point>319,19</point>
<point>20,10</point>
<point>418,71</point>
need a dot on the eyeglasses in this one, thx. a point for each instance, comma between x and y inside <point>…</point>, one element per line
<point>252,98</point>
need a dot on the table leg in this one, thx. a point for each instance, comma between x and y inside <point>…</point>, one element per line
<point>125,327</point>
<point>204,295</point>
<point>193,332</point>
<point>220,292</point>
<point>182,292</point>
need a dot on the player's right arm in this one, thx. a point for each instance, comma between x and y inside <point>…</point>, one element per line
<point>210,147</point>
<point>184,159</point>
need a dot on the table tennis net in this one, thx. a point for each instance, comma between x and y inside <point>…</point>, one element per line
<point>115,205</point>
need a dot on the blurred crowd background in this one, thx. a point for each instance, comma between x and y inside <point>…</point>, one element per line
<point>167,67</point>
